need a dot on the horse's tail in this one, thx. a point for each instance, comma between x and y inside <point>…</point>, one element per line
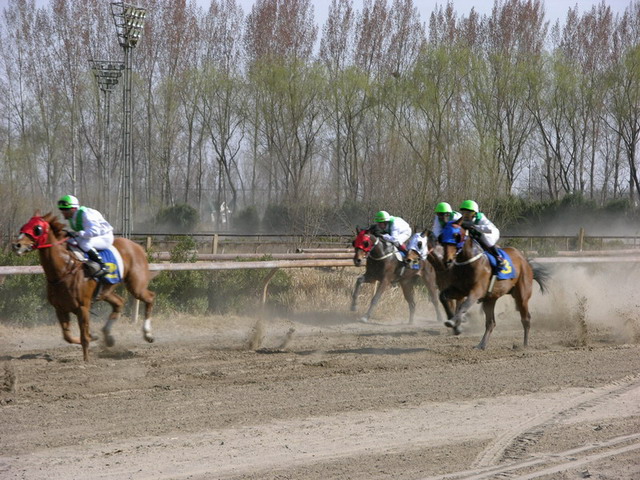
<point>541,274</point>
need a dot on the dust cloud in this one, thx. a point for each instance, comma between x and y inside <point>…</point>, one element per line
<point>601,298</point>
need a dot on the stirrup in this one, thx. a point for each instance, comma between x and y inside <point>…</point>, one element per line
<point>102,271</point>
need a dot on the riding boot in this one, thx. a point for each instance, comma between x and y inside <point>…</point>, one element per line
<point>500,261</point>
<point>96,257</point>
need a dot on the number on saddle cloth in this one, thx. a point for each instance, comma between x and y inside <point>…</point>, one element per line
<point>508,271</point>
<point>111,262</point>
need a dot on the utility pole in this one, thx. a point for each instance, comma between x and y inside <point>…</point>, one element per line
<point>107,74</point>
<point>129,21</point>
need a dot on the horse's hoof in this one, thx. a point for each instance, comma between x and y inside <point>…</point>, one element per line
<point>480,347</point>
<point>457,330</point>
<point>148,337</point>
<point>353,308</point>
<point>449,324</point>
<point>364,320</point>
<point>109,340</point>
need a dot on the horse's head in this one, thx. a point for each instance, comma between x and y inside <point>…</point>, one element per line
<point>417,248</point>
<point>36,233</point>
<point>451,238</point>
<point>363,244</point>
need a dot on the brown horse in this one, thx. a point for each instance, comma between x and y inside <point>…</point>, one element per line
<point>472,276</point>
<point>384,266</point>
<point>68,288</point>
<point>423,246</point>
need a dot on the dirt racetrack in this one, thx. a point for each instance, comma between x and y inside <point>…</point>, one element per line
<point>327,397</point>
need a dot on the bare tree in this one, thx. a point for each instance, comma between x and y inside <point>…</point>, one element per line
<point>624,101</point>
<point>279,39</point>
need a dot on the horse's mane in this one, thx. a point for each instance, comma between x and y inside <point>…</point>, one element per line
<point>56,225</point>
<point>376,230</point>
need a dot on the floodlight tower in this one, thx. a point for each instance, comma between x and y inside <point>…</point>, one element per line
<point>107,74</point>
<point>129,21</point>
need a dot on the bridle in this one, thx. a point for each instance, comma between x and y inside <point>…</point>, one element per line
<point>369,250</point>
<point>37,230</point>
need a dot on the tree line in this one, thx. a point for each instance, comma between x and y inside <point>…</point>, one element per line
<point>278,117</point>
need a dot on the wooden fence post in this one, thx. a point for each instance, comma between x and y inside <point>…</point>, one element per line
<point>214,244</point>
<point>580,245</point>
<point>265,284</point>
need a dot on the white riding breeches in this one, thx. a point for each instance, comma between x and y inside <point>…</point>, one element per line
<point>101,242</point>
<point>490,239</point>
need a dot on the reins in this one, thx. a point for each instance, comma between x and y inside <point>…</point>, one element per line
<point>471,260</point>
<point>379,258</point>
<point>74,268</point>
<point>75,265</point>
<point>48,245</point>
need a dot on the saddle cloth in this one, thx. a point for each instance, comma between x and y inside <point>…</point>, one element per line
<point>508,271</point>
<point>115,266</point>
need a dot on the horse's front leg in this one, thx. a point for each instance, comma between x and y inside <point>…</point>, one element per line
<point>85,336</point>
<point>490,321</point>
<point>455,321</point>
<point>407,291</point>
<point>428,276</point>
<point>447,304</point>
<point>356,290</point>
<point>65,324</point>
<point>116,303</point>
<point>382,286</point>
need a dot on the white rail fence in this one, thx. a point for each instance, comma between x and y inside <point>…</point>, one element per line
<point>306,260</point>
<point>303,260</point>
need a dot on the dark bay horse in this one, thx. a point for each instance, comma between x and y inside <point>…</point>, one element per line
<point>472,280</point>
<point>423,246</point>
<point>70,291</point>
<point>385,267</point>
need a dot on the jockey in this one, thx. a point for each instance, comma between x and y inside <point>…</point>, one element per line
<point>395,229</point>
<point>481,229</point>
<point>444,214</point>
<point>89,230</point>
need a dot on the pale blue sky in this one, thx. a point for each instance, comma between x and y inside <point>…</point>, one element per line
<point>555,9</point>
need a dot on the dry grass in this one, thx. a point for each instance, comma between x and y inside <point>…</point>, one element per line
<point>329,291</point>
<point>581,322</point>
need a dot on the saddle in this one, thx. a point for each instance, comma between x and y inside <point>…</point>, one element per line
<point>92,268</point>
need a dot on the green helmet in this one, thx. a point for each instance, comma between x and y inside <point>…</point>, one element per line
<point>382,216</point>
<point>443,207</point>
<point>67,202</point>
<point>469,205</point>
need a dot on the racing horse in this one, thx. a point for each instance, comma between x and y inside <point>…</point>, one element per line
<point>474,279</point>
<point>423,246</point>
<point>385,266</point>
<point>69,290</point>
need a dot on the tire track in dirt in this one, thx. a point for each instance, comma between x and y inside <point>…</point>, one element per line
<point>550,463</point>
<point>258,449</point>
<point>515,442</point>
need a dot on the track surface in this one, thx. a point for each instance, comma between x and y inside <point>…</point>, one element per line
<point>333,398</point>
